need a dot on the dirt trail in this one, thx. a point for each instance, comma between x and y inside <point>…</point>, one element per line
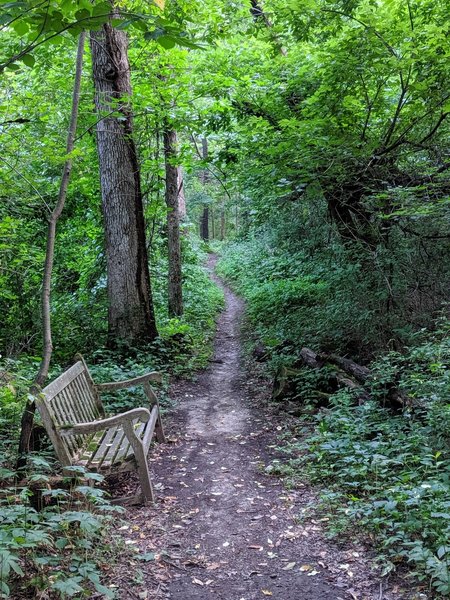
<point>222,528</point>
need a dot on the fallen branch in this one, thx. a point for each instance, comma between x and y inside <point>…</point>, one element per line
<point>344,377</point>
<point>342,373</point>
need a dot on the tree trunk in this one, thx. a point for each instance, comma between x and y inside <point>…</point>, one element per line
<point>26,425</point>
<point>204,224</point>
<point>222,222</point>
<point>173,224</point>
<point>204,221</point>
<point>181,196</point>
<point>131,317</point>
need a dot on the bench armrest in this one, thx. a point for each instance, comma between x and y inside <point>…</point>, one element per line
<point>84,428</point>
<point>119,385</point>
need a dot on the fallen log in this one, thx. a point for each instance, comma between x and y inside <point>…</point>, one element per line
<point>310,358</point>
<point>342,373</point>
<point>285,385</point>
<point>286,389</point>
<point>359,372</point>
<point>359,375</point>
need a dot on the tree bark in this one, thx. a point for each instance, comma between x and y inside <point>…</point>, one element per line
<point>131,317</point>
<point>204,224</point>
<point>175,296</point>
<point>359,372</point>
<point>181,196</point>
<point>26,425</point>
<point>222,222</point>
<point>204,221</point>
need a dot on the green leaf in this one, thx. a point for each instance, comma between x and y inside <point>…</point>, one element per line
<point>69,586</point>
<point>28,60</point>
<point>9,561</point>
<point>15,5</point>
<point>94,476</point>
<point>187,43</point>
<point>102,10</point>
<point>21,28</point>
<point>82,14</point>
<point>147,557</point>
<point>55,41</point>
<point>166,41</point>
<point>104,590</point>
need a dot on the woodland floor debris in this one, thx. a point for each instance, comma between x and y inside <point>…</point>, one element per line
<point>222,528</point>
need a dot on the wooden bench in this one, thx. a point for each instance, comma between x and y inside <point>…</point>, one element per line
<point>83,435</point>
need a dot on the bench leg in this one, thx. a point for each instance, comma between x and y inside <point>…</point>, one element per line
<point>141,461</point>
<point>153,399</point>
<point>159,430</point>
<point>144,474</point>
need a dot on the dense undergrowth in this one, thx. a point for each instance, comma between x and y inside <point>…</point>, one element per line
<point>378,466</point>
<point>55,539</point>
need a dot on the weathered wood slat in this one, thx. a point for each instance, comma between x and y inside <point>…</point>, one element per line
<point>87,398</point>
<point>140,432</point>
<point>150,428</point>
<point>53,388</point>
<point>59,411</point>
<point>61,417</point>
<point>100,424</point>
<point>153,399</point>
<point>125,449</point>
<point>73,414</point>
<point>119,385</point>
<point>103,442</point>
<point>77,391</point>
<point>99,409</point>
<point>48,418</point>
<point>110,457</point>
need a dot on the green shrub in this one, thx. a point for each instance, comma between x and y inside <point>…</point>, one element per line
<point>293,296</point>
<point>60,547</point>
<point>389,472</point>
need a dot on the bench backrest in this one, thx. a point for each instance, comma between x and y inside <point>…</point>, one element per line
<point>71,398</point>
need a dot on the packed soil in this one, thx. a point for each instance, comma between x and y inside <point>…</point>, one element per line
<point>222,528</point>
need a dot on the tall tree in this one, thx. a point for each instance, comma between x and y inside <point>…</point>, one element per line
<point>204,220</point>
<point>131,317</point>
<point>173,222</point>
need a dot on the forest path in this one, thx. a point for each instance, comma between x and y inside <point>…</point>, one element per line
<point>222,528</point>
